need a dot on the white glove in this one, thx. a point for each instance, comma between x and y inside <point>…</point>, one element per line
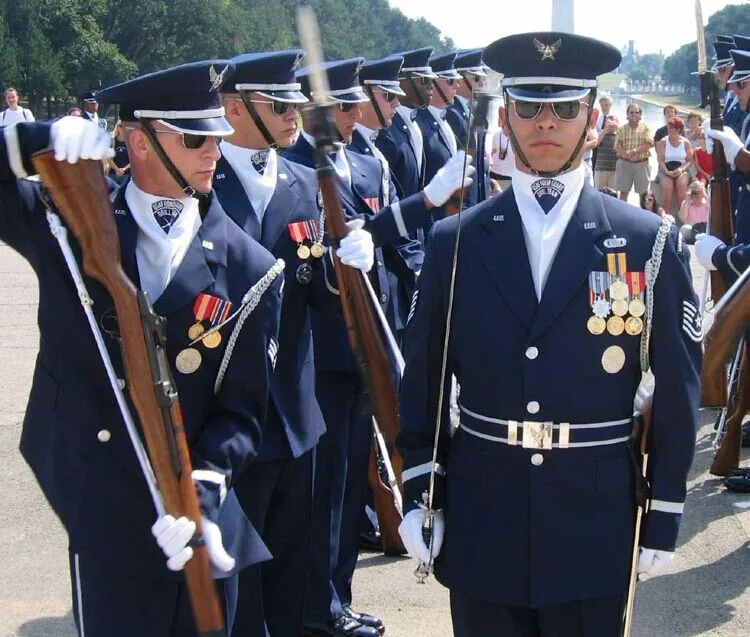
<point>728,138</point>
<point>75,138</point>
<point>651,562</point>
<point>447,180</point>
<point>356,249</point>
<point>410,531</point>
<point>173,536</point>
<point>705,246</point>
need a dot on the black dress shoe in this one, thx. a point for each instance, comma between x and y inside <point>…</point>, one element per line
<point>370,541</point>
<point>342,626</point>
<point>739,483</point>
<point>365,619</point>
<point>739,471</point>
<point>746,434</point>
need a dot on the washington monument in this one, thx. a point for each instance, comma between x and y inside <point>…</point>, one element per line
<point>562,16</point>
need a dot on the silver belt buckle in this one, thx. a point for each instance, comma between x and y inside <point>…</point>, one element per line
<point>537,435</point>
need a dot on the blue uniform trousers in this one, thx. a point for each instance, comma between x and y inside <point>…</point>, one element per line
<point>340,493</point>
<point>277,497</point>
<point>599,617</point>
<point>111,603</point>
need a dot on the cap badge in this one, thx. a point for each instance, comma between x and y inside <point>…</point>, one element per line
<point>297,62</point>
<point>216,79</point>
<point>548,50</point>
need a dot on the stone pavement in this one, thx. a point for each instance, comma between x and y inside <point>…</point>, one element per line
<point>705,591</point>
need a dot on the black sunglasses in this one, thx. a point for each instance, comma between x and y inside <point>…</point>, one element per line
<point>740,84</point>
<point>279,108</point>
<point>389,97</point>
<point>346,107</point>
<point>191,141</point>
<point>419,79</point>
<point>565,111</point>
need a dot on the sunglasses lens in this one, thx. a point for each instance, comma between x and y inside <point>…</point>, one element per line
<point>527,110</point>
<point>192,141</point>
<point>345,107</point>
<point>567,110</point>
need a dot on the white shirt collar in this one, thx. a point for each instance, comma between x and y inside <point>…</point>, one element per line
<point>258,188</point>
<point>544,232</point>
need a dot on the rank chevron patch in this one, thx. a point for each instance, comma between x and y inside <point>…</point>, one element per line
<point>692,324</point>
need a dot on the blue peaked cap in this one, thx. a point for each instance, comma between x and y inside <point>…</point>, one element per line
<point>469,61</point>
<point>443,66</point>
<point>383,74</point>
<point>722,57</point>
<point>550,66</point>
<point>417,62</point>
<point>186,98</point>
<point>343,80</point>
<point>741,69</point>
<point>270,74</point>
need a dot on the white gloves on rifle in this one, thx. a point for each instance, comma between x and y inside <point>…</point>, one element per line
<point>449,179</point>
<point>75,138</point>
<point>705,246</point>
<point>651,562</point>
<point>173,537</point>
<point>356,249</point>
<point>410,531</point>
<point>728,138</point>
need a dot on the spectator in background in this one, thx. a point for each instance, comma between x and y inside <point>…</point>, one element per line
<point>502,158</point>
<point>605,106</point>
<point>675,155</point>
<point>703,161</point>
<point>693,213</point>
<point>14,113</point>
<point>120,165</point>
<point>670,111</point>
<point>90,107</point>
<point>606,158</point>
<point>75,112</point>
<point>648,202</point>
<point>633,147</point>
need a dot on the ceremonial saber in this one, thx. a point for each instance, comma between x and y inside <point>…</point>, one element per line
<point>60,233</point>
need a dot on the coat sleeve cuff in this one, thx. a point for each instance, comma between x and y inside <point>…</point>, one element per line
<point>416,483</point>
<point>212,491</point>
<point>661,529</point>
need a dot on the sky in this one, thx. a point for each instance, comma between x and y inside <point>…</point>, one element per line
<point>655,25</point>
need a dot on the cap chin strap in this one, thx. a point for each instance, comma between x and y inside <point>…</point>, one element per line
<point>375,107</point>
<point>436,84</point>
<point>465,78</point>
<point>171,168</point>
<point>255,116</point>
<point>566,166</point>
<point>420,99</point>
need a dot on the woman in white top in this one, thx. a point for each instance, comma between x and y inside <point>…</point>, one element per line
<point>675,155</point>
<point>14,113</point>
<point>502,159</point>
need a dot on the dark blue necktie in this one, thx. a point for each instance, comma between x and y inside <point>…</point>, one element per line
<point>547,193</point>
<point>166,212</point>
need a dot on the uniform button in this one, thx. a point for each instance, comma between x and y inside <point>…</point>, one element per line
<point>537,459</point>
<point>379,264</point>
<point>383,298</point>
<point>105,435</point>
<point>121,383</point>
<point>533,407</point>
<point>532,353</point>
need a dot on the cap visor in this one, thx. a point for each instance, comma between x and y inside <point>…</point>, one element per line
<point>720,64</point>
<point>291,97</point>
<point>452,74</point>
<point>390,89</point>
<point>215,126</point>
<point>738,76</point>
<point>355,97</point>
<point>552,94</point>
<point>431,76</point>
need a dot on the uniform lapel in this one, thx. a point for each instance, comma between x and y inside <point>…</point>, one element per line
<point>361,180</point>
<point>209,247</point>
<point>503,252</point>
<point>127,231</point>
<point>234,199</point>
<point>281,208</point>
<point>578,255</point>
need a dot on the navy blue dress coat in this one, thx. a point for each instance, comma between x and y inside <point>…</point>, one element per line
<point>93,482</point>
<point>529,527</point>
<point>395,143</point>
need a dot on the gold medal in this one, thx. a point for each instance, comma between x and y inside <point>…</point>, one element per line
<point>615,325</point>
<point>196,330</point>
<point>596,325</point>
<point>613,359</point>
<point>620,307</point>
<point>637,308</point>
<point>303,252</point>
<point>213,340</point>
<point>633,326</point>
<point>618,290</point>
<point>317,250</point>
<point>188,360</point>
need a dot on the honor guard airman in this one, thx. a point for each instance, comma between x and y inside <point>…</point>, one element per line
<point>275,201</point>
<point>90,109</point>
<point>178,245</point>
<point>563,297</point>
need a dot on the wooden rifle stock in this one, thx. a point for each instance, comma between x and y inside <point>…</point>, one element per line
<point>731,320</point>
<point>362,324</point>
<point>389,518</point>
<point>80,194</point>
<point>714,385</point>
